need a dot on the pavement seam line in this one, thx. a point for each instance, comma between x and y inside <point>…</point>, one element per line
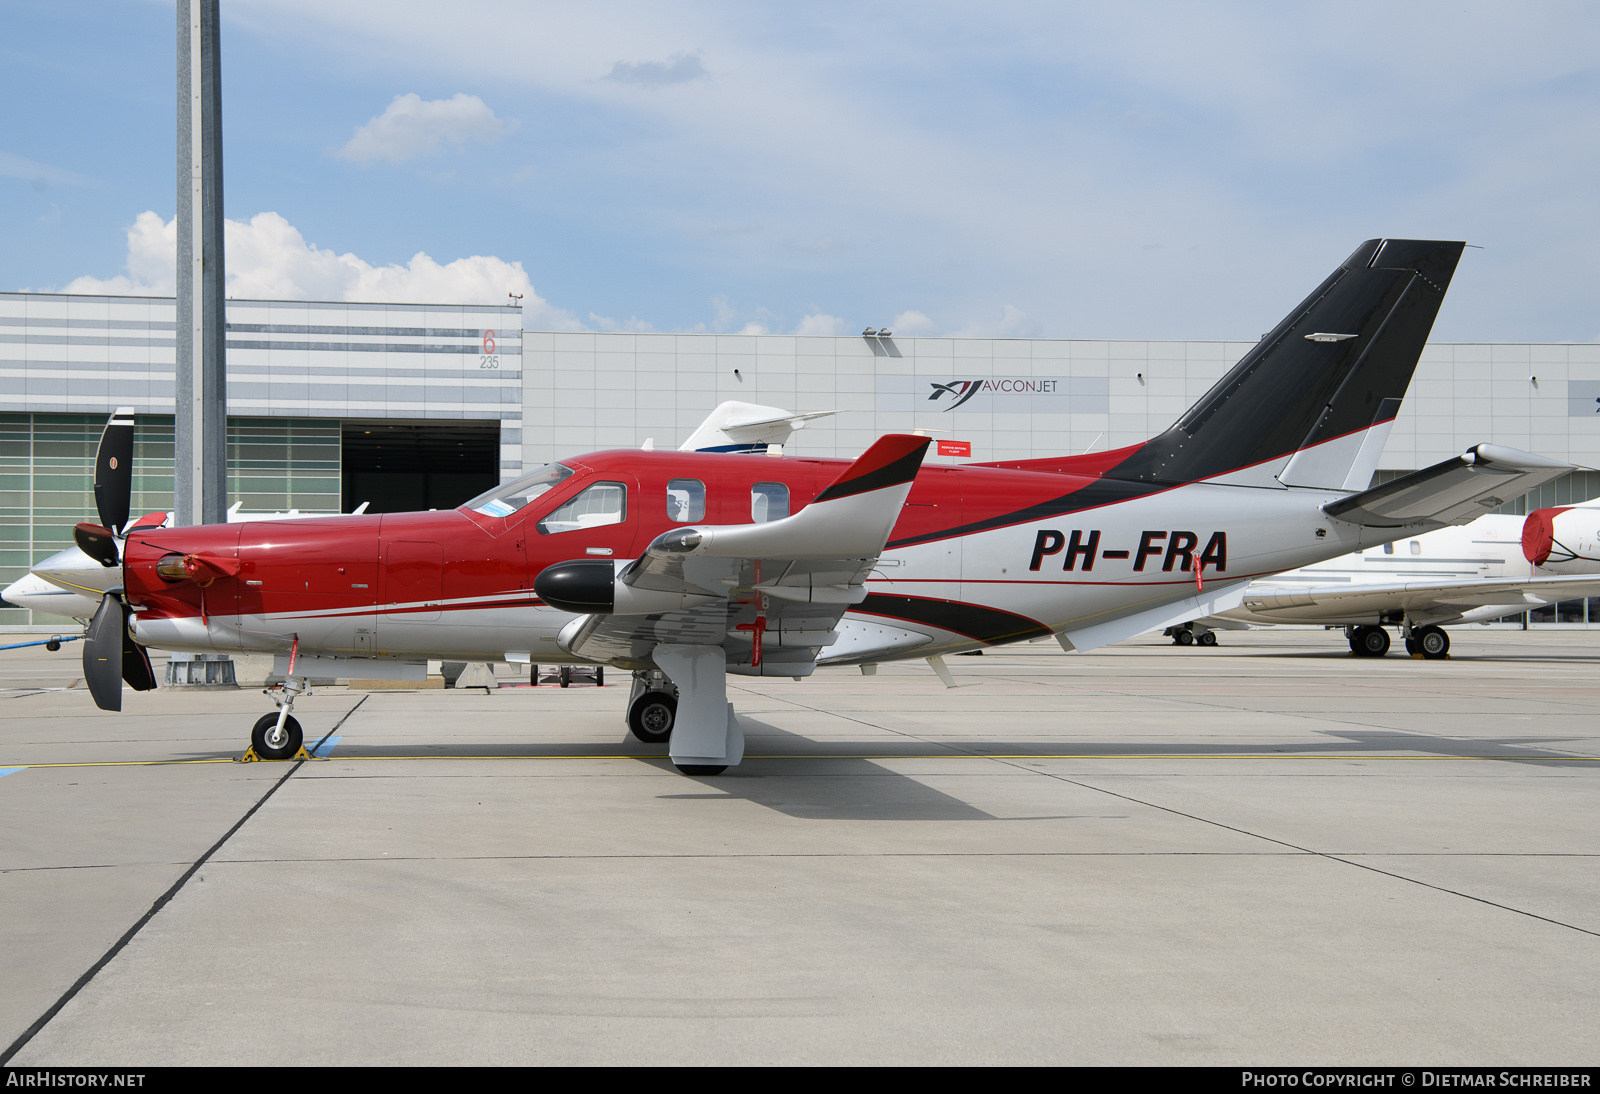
<point>161,902</point>
<point>1329,857</point>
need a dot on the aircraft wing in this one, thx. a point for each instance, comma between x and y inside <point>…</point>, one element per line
<point>1419,599</point>
<point>1456,491</point>
<point>770,594</point>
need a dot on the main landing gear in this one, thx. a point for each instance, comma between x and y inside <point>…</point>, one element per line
<point>1430,642</point>
<point>652,707</point>
<point>684,704</point>
<point>1187,634</point>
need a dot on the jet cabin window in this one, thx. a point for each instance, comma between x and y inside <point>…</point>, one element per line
<point>686,500</point>
<point>601,504</point>
<point>507,498</point>
<point>768,501</point>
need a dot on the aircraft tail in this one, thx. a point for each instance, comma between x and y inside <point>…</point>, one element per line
<point>1313,402</point>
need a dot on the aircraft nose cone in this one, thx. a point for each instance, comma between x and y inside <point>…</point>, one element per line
<point>35,593</point>
<point>77,572</point>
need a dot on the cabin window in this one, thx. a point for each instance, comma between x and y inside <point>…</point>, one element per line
<point>508,497</point>
<point>1416,547</point>
<point>686,500</point>
<point>601,504</point>
<point>1388,548</point>
<point>768,501</point>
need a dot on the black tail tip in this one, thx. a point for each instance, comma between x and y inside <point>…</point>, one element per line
<point>1434,259</point>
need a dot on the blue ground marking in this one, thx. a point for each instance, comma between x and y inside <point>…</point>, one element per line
<point>4,771</point>
<point>322,750</point>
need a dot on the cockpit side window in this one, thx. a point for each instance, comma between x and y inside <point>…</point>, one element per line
<point>598,505</point>
<point>509,497</point>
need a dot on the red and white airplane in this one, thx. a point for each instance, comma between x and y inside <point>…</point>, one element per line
<point>684,567</point>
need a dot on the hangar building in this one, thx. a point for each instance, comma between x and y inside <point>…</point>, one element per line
<point>414,406</point>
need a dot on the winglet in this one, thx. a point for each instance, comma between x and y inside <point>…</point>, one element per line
<point>893,459</point>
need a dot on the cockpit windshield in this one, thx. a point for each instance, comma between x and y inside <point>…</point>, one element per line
<point>507,498</point>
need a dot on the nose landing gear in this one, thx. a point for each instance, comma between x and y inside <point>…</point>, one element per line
<point>278,736</point>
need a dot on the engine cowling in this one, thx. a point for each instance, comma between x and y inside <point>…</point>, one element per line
<point>587,586</point>
<point>1563,539</point>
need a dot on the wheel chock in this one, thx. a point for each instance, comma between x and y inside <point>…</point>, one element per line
<point>250,756</point>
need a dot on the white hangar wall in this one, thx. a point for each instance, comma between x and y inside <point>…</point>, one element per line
<point>585,392</point>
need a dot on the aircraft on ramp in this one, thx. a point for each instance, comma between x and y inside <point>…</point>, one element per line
<point>1496,566</point>
<point>685,567</point>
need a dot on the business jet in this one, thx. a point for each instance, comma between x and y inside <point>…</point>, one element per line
<point>685,567</point>
<point>1495,566</point>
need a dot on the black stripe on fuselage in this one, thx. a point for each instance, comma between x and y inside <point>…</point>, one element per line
<point>989,625</point>
<point>1095,494</point>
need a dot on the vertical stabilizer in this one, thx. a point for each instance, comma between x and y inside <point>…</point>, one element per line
<point>1313,402</point>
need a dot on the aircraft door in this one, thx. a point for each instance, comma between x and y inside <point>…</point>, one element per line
<point>413,581</point>
<point>600,520</point>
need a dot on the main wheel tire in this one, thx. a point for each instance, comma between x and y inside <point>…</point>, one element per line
<point>1184,637</point>
<point>600,676</point>
<point>1207,639</point>
<point>1411,645</point>
<point>651,717</point>
<point>566,676</point>
<point>269,744</point>
<point>701,769</point>
<point>1370,641</point>
<point>1433,642</point>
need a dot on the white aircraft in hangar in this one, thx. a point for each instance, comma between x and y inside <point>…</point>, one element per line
<point>1493,567</point>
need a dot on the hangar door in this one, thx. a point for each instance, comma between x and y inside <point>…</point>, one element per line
<point>405,466</point>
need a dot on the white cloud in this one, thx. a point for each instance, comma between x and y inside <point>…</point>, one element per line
<point>268,259</point>
<point>680,68</point>
<point>413,126</point>
<point>1013,323</point>
<point>820,324</point>
<point>912,323</point>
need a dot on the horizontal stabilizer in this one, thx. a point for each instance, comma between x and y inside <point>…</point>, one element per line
<point>1456,491</point>
<point>1213,601</point>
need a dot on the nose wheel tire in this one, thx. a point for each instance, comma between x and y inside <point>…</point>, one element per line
<point>271,744</point>
<point>1369,642</point>
<point>651,716</point>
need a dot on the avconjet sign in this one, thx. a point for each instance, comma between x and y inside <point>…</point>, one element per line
<point>1005,394</point>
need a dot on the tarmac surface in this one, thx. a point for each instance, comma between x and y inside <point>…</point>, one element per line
<point>1266,853</point>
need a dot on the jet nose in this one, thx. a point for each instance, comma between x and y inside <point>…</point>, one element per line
<point>77,572</point>
<point>37,594</point>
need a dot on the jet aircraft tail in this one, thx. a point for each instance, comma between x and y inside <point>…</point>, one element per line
<point>1313,402</point>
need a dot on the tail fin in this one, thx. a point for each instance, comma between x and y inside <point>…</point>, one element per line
<point>1312,403</point>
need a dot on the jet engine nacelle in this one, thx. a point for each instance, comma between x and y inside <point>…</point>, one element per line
<point>587,586</point>
<point>1563,540</point>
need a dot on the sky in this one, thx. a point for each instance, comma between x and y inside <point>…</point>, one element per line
<point>1132,170</point>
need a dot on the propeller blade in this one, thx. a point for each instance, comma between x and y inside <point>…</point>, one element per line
<point>96,542</point>
<point>136,668</point>
<point>113,470</point>
<point>102,653</point>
